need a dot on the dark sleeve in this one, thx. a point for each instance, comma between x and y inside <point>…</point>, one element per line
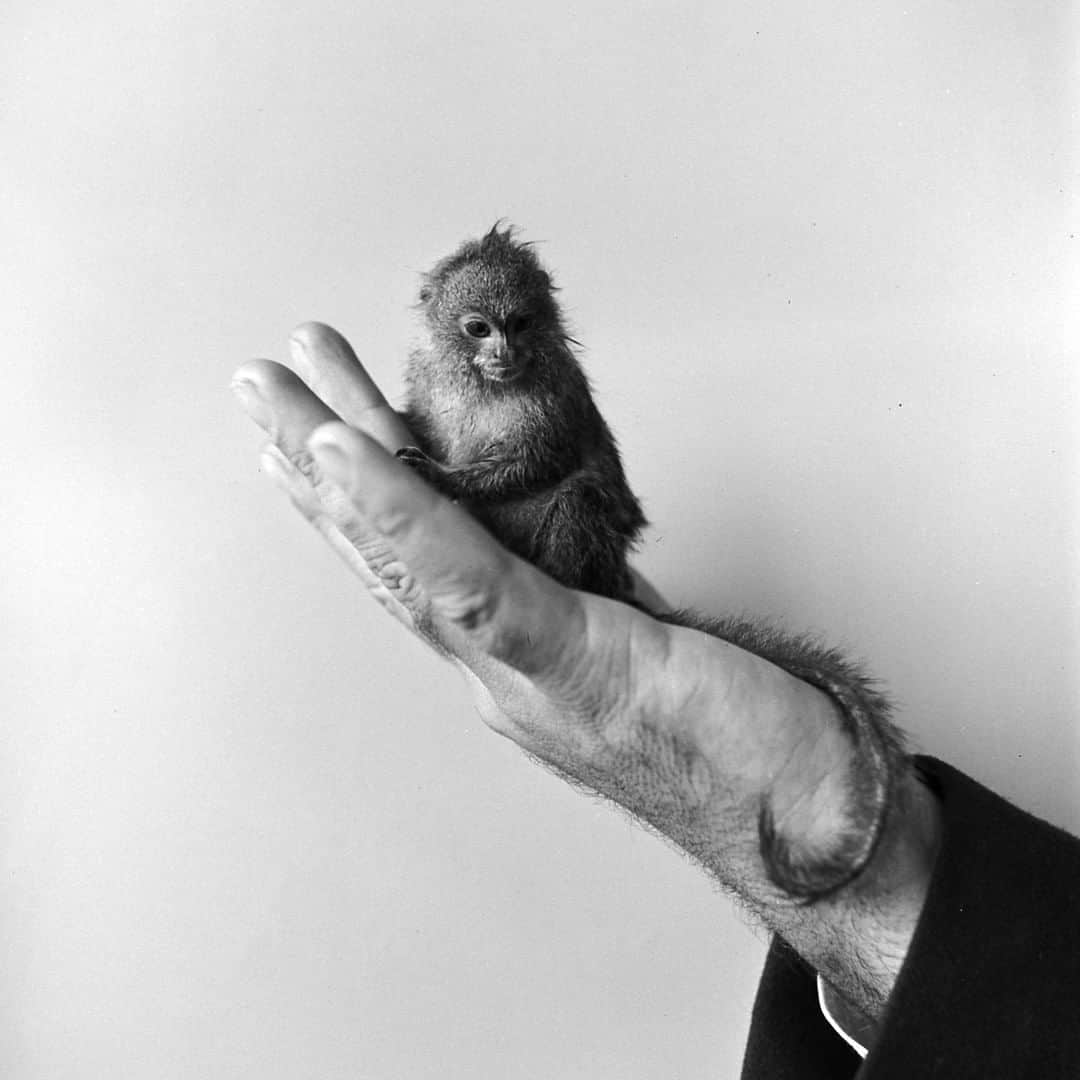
<point>991,983</point>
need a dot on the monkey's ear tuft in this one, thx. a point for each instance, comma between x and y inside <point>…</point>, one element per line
<point>427,291</point>
<point>501,232</point>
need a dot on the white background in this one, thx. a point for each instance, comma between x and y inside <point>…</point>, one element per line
<point>818,256</point>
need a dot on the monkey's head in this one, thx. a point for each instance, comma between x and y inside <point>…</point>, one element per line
<point>490,308</point>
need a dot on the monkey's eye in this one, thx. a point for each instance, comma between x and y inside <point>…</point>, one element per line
<point>521,324</point>
<point>477,328</point>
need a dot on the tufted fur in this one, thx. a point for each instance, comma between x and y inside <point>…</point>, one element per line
<point>531,457</point>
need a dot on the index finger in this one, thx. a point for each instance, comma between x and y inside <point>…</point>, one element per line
<point>329,366</point>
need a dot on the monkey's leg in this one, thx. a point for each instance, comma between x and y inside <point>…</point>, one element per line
<point>578,540</point>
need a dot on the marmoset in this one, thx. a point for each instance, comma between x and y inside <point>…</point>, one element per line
<point>505,422</point>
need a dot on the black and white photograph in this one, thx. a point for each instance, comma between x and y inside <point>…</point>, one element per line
<point>542,540</point>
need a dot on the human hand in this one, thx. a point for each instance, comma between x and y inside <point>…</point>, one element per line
<point>679,727</point>
<point>683,729</point>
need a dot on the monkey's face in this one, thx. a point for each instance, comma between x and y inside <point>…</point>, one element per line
<point>495,321</point>
<point>500,349</point>
<point>491,309</point>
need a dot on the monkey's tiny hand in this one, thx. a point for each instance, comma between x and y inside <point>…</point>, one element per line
<point>415,457</point>
<point>438,476</point>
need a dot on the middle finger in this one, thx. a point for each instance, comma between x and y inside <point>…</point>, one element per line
<point>327,363</point>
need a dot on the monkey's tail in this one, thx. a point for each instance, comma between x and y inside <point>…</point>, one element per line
<point>878,755</point>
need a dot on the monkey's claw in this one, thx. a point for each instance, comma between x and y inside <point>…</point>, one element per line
<point>425,466</point>
<point>413,455</point>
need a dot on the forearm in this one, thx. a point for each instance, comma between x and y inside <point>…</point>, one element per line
<point>858,938</point>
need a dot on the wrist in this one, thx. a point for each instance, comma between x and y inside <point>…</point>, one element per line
<point>859,938</point>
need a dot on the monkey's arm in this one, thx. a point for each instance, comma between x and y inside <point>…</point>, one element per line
<point>496,472</point>
<point>490,476</point>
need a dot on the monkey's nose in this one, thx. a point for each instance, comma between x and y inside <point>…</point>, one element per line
<point>501,353</point>
<point>499,363</point>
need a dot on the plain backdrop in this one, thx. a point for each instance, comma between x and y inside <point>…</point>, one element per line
<point>818,257</point>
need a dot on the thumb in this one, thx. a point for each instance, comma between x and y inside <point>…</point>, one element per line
<point>482,596</point>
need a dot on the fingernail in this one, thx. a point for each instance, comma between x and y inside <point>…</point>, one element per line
<point>333,461</point>
<point>253,403</point>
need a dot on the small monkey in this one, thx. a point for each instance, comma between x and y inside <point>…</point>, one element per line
<point>505,421</point>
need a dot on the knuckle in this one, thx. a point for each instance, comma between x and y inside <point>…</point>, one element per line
<point>306,465</point>
<point>472,610</point>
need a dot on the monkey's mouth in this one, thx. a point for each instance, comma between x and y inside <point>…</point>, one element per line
<point>500,371</point>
